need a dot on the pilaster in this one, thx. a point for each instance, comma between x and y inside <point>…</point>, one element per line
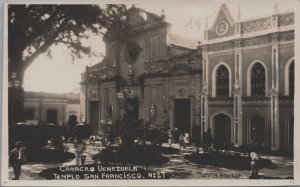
<point>274,119</point>
<point>237,95</point>
<point>274,92</point>
<point>204,93</point>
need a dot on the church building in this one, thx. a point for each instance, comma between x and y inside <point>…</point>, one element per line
<point>238,82</point>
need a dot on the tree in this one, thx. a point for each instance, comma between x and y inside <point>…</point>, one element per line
<point>32,29</point>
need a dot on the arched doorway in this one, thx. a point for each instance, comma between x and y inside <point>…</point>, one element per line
<point>222,130</point>
<point>257,129</point>
<point>72,121</point>
<point>182,115</point>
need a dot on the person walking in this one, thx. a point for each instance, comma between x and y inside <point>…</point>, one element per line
<point>181,141</point>
<point>82,159</point>
<point>170,137</point>
<point>176,135</point>
<point>16,159</point>
<point>186,138</point>
<point>254,166</point>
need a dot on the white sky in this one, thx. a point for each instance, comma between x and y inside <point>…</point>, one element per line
<point>59,74</point>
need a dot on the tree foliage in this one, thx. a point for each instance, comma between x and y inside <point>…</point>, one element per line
<point>32,29</point>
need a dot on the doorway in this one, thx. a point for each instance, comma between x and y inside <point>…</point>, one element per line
<point>72,121</point>
<point>257,129</point>
<point>94,114</point>
<point>222,134</point>
<point>52,116</point>
<point>182,115</point>
<point>132,113</point>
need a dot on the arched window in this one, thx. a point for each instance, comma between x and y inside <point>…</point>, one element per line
<point>258,80</point>
<point>222,83</point>
<point>292,80</point>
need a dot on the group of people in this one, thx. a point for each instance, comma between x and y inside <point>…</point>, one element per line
<point>17,156</point>
<point>176,137</point>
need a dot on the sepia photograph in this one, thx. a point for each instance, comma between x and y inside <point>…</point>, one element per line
<point>113,93</point>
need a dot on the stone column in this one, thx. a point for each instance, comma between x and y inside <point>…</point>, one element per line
<point>204,113</point>
<point>192,99</point>
<point>274,93</point>
<point>237,97</point>
<point>274,120</point>
<point>172,125</point>
<point>204,93</point>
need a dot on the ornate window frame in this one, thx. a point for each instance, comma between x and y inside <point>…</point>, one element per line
<point>214,79</point>
<point>249,72</point>
<point>225,31</point>
<point>222,79</point>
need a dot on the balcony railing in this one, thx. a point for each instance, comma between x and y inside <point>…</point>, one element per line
<point>256,100</point>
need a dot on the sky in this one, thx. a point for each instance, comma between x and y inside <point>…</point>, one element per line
<point>61,74</point>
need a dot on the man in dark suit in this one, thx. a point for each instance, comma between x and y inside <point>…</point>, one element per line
<point>16,159</point>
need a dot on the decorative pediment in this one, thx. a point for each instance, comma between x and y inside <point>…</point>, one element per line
<point>223,24</point>
<point>223,16</point>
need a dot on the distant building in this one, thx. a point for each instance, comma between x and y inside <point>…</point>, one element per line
<point>51,108</point>
<point>238,82</point>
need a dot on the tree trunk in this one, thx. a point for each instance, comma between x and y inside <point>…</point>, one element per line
<point>16,64</point>
<point>16,91</point>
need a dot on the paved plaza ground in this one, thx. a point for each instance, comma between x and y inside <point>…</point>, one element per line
<point>178,167</point>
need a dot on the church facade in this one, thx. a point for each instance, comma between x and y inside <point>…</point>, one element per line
<point>238,82</point>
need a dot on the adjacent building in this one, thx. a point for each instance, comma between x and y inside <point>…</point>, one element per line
<point>51,108</point>
<point>238,82</point>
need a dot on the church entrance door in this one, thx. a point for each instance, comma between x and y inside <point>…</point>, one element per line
<point>182,115</point>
